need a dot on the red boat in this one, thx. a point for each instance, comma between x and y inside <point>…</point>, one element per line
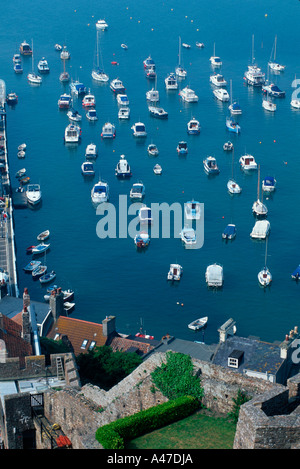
<point>29,249</point>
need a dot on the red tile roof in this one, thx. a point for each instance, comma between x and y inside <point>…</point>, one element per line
<point>123,344</point>
<point>78,331</point>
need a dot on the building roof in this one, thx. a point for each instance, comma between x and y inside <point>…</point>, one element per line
<point>81,334</point>
<point>11,307</point>
<point>261,357</point>
<point>131,344</point>
<point>197,350</point>
<point>11,334</point>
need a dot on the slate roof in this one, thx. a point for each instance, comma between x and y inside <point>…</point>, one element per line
<point>199,351</point>
<point>77,332</point>
<point>262,357</point>
<point>11,334</point>
<point>11,307</point>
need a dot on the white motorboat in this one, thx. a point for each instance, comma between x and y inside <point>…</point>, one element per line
<point>124,46</point>
<point>188,95</point>
<point>232,125</point>
<point>217,79</point>
<point>152,95</point>
<point>87,168</point>
<point>122,99</point>
<point>137,191</point>
<point>43,66</point>
<point>25,48</point>
<point>295,103</point>
<point>145,215</point>
<point>101,25</point>
<point>91,151</point>
<point>215,60</point>
<point>78,88</point>
<point>269,184</point>
<point>152,150</point>
<point>65,101</point>
<point>91,115</point>
<point>260,230</point>
<point>65,54</point>
<point>33,194</point>
<point>157,169</point>
<point>188,236</point>
<point>117,86</point>
<point>142,239</point>
<point>200,45</point>
<point>100,192</point>
<point>198,323</point>
<point>185,45</point>
<point>89,100</point>
<point>210,165</point>
<point>269,105</point>
<point>124,113</point>
<point>149,63</point>
<point>180,70</point>
<point>171,82</point>
<point>98,73</point>
<point>158,112</point>
<point>123,168</point>
<point>182,148</point>
<point>221,94</point>
<point>74,115</point>
<point>193,127</point>
<point>139,130</point>
<point>214,275</point>
<point>175,272</point>
<point>192,210</point>
<point>72,133</point>
<point>248,162</point>
<point>108,130</point>
<point>57,47</point>
<point>228,146</point>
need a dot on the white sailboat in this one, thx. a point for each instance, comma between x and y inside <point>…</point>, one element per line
<point>275,66</point>
<point>179,70</point>
<point>234,107</point>
<point>265,276</point>
<point>267,104</point>
<point>232,185</point>
<point>259,209</point>
<point>214,60</point>
<point>33,77</point>
<point>98,73</point>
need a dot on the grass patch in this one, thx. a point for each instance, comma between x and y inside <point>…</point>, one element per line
<point>199,431</point>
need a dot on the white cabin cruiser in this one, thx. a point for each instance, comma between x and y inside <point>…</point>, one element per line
<point>193,127</point>
<point>122,99</point>
<point>72,133</point>
<point>101,25</point>
<point>87,168</point>
<point>188,236</point>
<point>100,192</point>
<point>260,230</point>
<point>108,130</point>
<point>152,95</point>
<point>123,169</point>
<point>33,194</point>
<point>248,162</point>
<point>139,129</point>
<point>171,82</point>
<point>218,80</point>
<point>192,210</point>
<point>91,151</point>
<point>137,191</point>
<point>214,275</point>
<point>124,113</point>
<point>188,95</point>
<point>221,94</point>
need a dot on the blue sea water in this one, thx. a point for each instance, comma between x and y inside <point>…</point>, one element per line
<point>108,275</point>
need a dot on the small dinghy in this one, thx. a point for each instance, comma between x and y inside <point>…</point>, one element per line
<point>21,154</point>
<point>152,149</point>
<point>31,266</point>
<point>48,277</point>
<point>40,248</point>
<point>43,236</point>
<point>29,249</point>
<point>68,307</point>
<point>198,323</point>
<point>22,147</point>
<point>157,169</point>
<point>21,173</point>
<point>39,271</point>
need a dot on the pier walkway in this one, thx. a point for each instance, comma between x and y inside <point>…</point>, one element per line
<point>8,269</point>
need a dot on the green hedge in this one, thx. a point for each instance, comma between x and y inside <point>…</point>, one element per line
<point>114,435</point>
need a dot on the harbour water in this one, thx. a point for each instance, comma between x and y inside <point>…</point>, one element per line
<point>109,276</point>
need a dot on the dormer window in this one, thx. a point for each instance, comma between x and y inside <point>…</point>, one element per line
<point>235,358</point>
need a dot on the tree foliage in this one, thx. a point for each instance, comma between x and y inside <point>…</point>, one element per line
<point>239,400</point>
<point>176,378</point>
<point>105,368</point>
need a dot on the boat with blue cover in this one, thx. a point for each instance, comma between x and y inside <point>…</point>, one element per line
<point>87,168</point>
<point>31,266</point>
<point>46,278</point>
<point>182,148</point>
<point>123,169</point>
<point>142,239</point>
<point>232,125</point>
<point>192,210</point>
<point>273,90</point>
<point>269,184</point>
<point>78,88</point>
<point>40,248</point>
<point>296,274</point>
<point>229,232</point>
<point>210,165</point>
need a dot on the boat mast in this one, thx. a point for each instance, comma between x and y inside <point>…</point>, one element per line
<point>258,182</point>
<point>32,55</point>
<point>179,54</point>
<point>275,48</point>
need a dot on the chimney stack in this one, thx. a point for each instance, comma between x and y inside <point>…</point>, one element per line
<point>56,303</point>
<point>26,298</point>
<point>108,325</point>
<point>26,325</point>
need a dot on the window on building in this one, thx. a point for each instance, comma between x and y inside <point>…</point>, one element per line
<point>93,343</point>
<point>84,343</point>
